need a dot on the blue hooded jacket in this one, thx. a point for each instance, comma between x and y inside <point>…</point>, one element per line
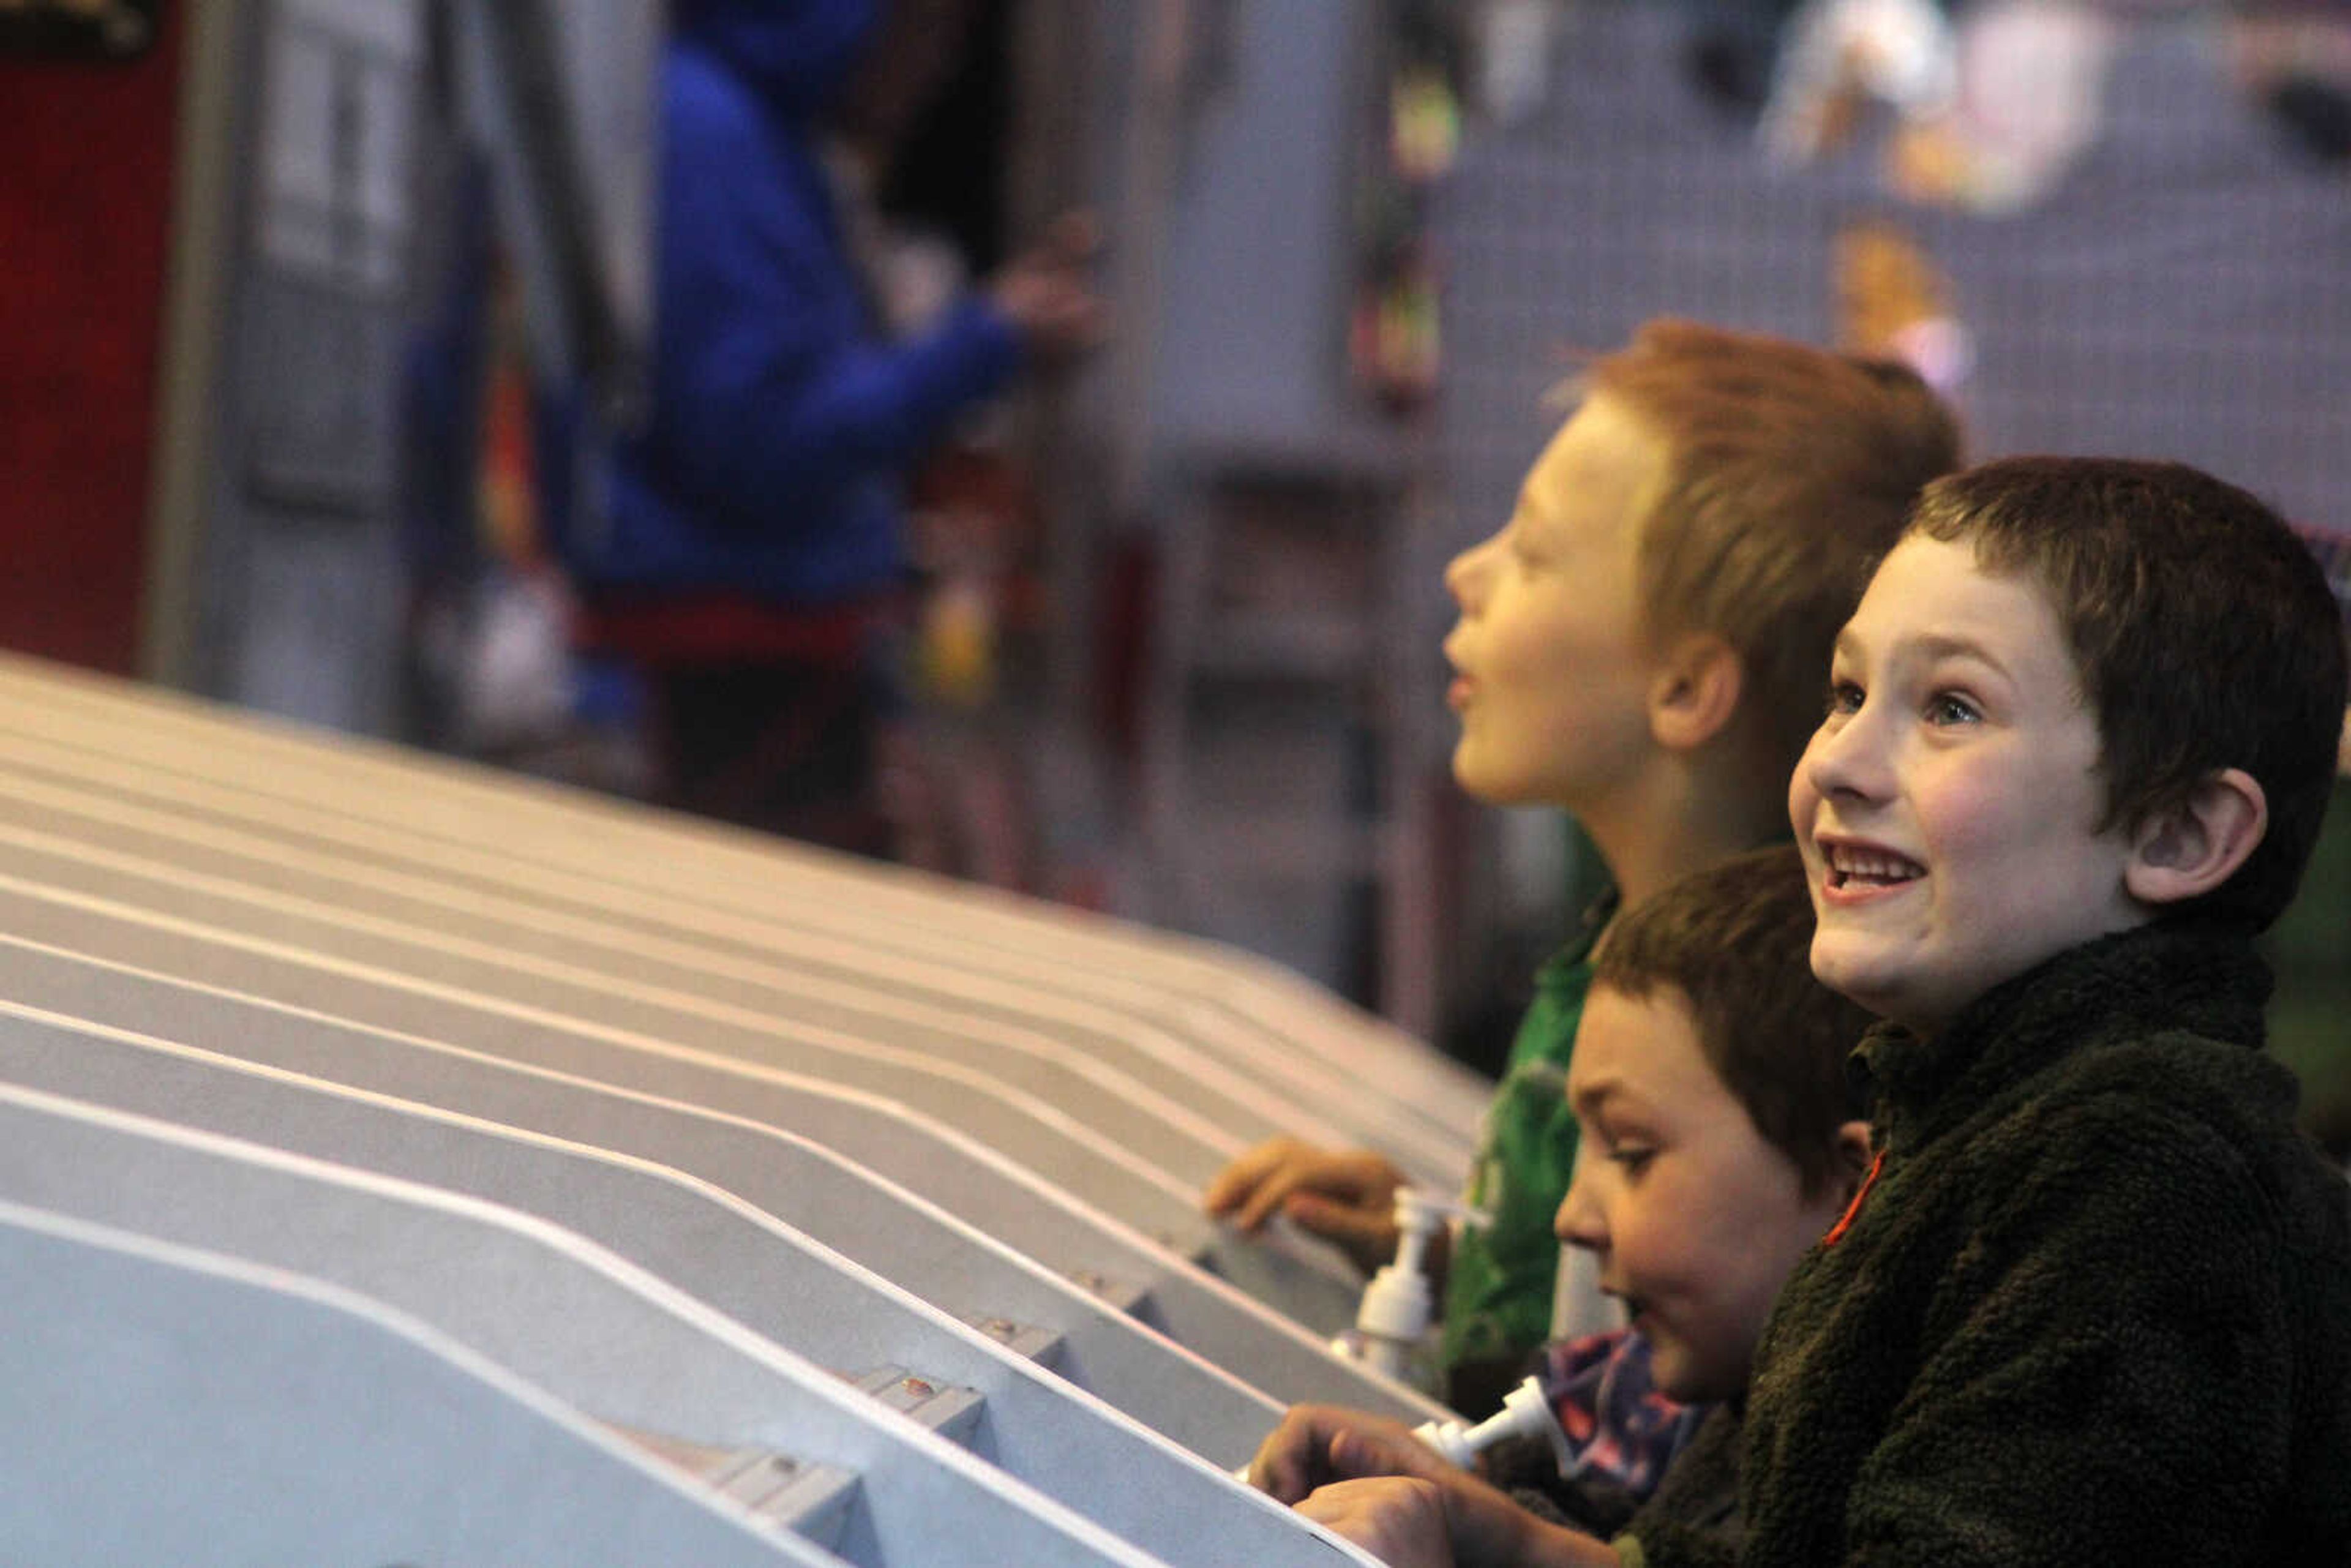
<point>782,422</point>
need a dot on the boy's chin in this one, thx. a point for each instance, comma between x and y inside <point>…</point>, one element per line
<point>1487,785</point>
<point>1673,1374</point>
<point>1852,972</point>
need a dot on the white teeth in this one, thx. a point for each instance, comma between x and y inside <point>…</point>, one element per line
<point>1874,864</point>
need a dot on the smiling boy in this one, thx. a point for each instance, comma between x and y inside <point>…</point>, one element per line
<point>2094,1305</point>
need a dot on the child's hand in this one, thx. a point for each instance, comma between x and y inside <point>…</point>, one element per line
<point>1418,1521</point>
<point>1318,1444</point>
<point>1346,1198</point>
<point>1047,291</point>
<point>1400,1520</point>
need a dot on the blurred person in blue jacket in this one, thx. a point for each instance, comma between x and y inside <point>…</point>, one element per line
<point>747,554</point>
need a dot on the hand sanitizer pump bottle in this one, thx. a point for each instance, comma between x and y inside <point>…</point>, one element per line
<point>1391,1331</point>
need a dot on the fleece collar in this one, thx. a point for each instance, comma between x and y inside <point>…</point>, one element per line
<point>2171,977</point>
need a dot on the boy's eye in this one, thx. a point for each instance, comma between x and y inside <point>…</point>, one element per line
<point>1949,707</point>
<point>1634,1157</point>
<point>1844,697</point>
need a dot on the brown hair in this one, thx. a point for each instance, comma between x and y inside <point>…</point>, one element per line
<point>1735,940</point>
<point>2202,630</point>
<point>1787,471</point>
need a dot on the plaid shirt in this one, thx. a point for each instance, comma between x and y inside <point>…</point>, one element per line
<point>1618,1426</point>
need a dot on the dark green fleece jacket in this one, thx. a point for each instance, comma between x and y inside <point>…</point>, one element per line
<point>2096,1308</point>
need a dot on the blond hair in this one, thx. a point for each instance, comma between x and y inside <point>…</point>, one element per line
<point>1786,471</point>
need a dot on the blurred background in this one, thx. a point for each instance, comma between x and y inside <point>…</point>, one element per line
<point>290,286</point>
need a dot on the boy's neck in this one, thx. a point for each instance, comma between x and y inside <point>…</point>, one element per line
<point>1652,837</point>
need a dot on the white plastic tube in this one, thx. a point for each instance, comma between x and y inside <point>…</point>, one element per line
<point>1525,1413</point>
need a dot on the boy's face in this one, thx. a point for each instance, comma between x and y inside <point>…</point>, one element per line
<point>1551,671</point>
<point>1948,806</point>
<point>1695,1217</point>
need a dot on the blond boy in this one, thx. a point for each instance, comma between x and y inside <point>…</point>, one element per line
<point>1640,646</point>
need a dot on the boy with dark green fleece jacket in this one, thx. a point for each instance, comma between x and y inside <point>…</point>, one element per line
<point>2096,1306</point>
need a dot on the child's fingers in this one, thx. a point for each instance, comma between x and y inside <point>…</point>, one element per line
<point>1361,1447</point>
<point>1366,1231</point>
<point>1311,1177</point>
<point>1291,1461</point>
<point>1226,1188</point>
<point>1269,1197</point>
<point>1399,1520</point>
<point>1346,1198</point>
<point>1233,1185</point>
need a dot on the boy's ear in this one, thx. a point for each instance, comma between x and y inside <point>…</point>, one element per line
<point>2189,851</point>
<point>1695,691</point>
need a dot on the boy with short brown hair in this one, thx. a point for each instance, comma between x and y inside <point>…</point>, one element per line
<point>1640,646</point>
<point>1720,1142</point>
<point>2096,1304</point>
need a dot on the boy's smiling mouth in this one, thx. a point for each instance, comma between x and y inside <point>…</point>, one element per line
<point>1863,868</point>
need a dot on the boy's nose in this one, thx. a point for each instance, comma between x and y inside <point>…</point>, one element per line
<point>1578,1222</point>
<point>1465,574</point>
<point>1845,761</point>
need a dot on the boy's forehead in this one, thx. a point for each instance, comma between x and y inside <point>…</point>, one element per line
<point>1604,447</point>
<point>1940,596</point>
<point>1646,1045</point>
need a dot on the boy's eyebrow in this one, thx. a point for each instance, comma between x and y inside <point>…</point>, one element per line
<point>1527,516</point>
<point>1932,645</point>
<point>1942,646</point>
<point>1583,1097</point>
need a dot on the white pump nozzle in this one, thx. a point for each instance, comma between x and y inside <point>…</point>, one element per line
<point>1525,1413</point>
<point>1397,1306</point>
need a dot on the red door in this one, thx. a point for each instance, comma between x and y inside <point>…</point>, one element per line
<point>85,211</point>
